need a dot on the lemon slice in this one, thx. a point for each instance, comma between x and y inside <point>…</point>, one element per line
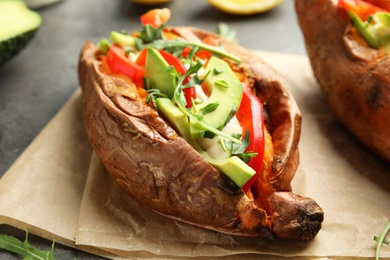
<point>245,7</point>
<point>151,2</point>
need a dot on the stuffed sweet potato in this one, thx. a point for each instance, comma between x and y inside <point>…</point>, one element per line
<point>149,139</point>
<point>351,64</point>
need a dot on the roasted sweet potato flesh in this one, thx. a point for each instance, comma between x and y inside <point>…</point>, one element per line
<point>159,169</point>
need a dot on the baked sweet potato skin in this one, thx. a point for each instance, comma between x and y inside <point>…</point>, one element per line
<point>354,78</point>
<point>160,170</point>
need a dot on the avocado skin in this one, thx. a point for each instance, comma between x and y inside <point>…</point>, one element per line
<point>10,47</point>
<point>25,23</point>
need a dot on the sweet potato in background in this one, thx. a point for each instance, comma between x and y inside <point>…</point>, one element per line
<point>354,78</point>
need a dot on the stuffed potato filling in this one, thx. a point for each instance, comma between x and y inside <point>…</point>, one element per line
<point>371,18</point>
<point>200,90</point>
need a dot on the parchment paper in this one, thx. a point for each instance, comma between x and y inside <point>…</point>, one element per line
<point>58,189</point>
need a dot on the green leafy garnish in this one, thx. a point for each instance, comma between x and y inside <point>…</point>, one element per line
<point>210,108</point>
<point>196,117</point>
<point>217,71</point>
<point>381,240</point>
<point>246,156</point>
<point>153,95</point>
<point>239,149</point>
<point>24,249</point>
<point>221,83</point>
<point>174,44</point>
<point>171,69</point>
<point>150,34</point>
<point>179,95</point>
<point>193,81</point>
<point>224,31</point>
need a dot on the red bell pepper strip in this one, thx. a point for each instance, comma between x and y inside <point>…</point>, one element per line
<point>119,63</point>
<point>141,59</point>
<point>210,40</point>
<point>189,94</point>
<point>203,54</point>
<point>156,17</point>
<point>250,116</point>
<point>362,8</point>
<point>186,51</point>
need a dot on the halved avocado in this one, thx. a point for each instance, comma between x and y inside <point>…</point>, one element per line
<point>18,25</point>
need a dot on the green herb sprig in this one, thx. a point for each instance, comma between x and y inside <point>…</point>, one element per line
<point>197,117</point>
<point>239,149</point>
<point>224,30</point>
<point>174,44</point>
<point>24,249</point>
<point>149,34</point>
<point>381,240</point>
<point>153,95</point>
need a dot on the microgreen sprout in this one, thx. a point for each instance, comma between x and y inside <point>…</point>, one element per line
<point>164,44</point>
<point>193,115</point>
<point>239,149</point>
<point>226,32</point>
<point>153,95</point>
<point>381,240</point>
<point>222,83</point>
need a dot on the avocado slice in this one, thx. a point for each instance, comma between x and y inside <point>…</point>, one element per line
<point>226,91</point>
<point>123,40</point>
<point>18,25</point>
<point>362,28</point>
<point>103,46</point>
<point>176,118</point>
<point>380,29</point>
<point>156,72</point>
<point>233,167</point>
<point>383,17</point>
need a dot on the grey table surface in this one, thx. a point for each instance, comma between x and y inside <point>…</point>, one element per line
<point>38,81</point>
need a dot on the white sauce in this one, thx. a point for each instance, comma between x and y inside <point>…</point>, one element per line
<point>213,146</point>
<point>200,95</point>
